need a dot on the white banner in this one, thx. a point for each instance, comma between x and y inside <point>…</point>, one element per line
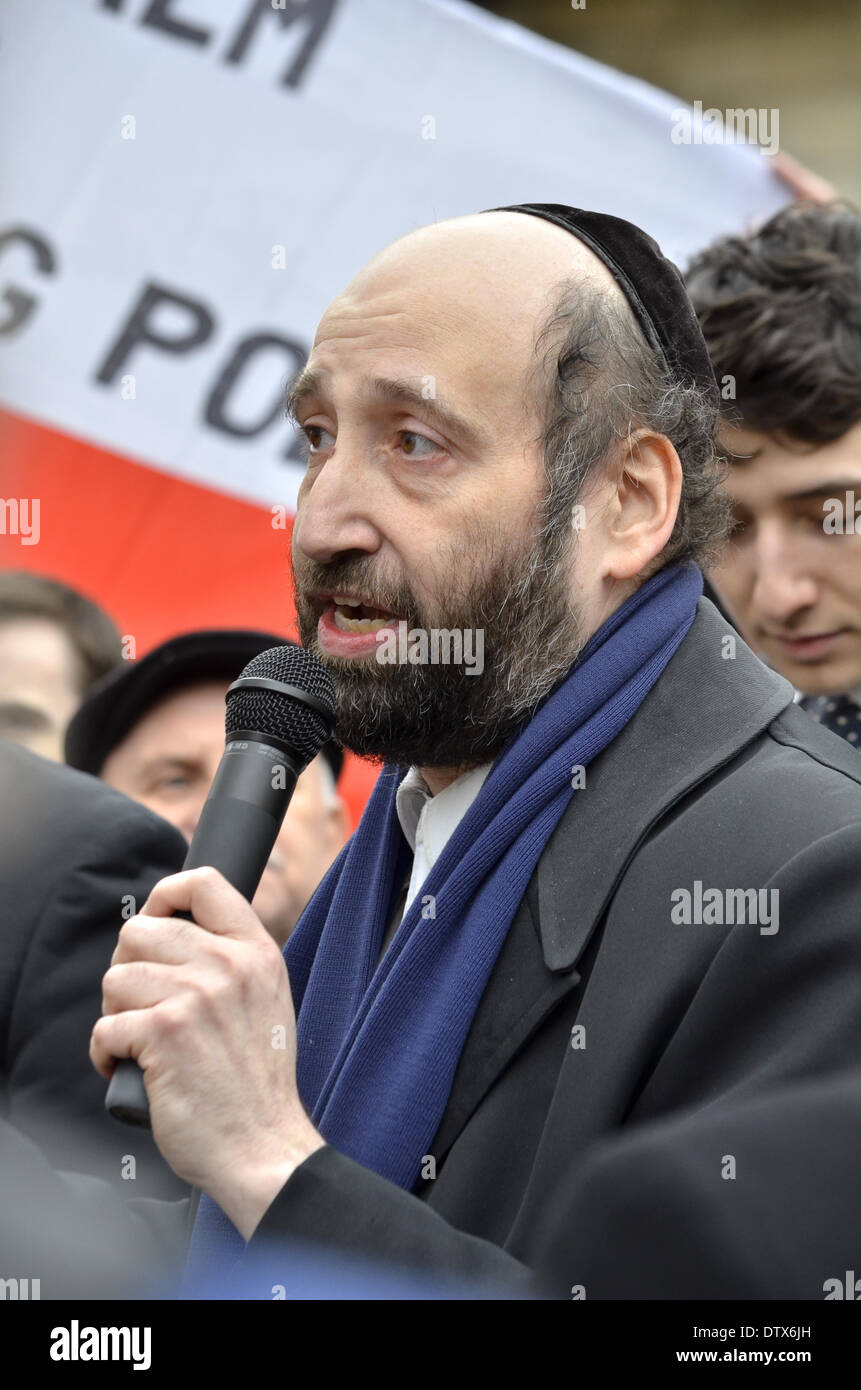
<point>185,184</point>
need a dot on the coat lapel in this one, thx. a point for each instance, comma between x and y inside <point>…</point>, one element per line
<point>703,710</point>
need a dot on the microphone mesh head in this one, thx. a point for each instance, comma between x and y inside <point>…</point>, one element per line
<point>277,714</point>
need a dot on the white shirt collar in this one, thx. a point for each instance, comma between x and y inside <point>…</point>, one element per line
<point>433,818</point>
<point>428,821</point>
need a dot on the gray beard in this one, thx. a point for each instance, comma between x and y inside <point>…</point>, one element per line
<point>439,715</point>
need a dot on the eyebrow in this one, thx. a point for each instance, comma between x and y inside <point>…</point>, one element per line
<point>22,715</point>
<point>396,391</point>
<point>825,490</point>
<point>169,762</point>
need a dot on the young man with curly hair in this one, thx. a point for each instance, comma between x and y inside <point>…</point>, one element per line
<point>781,314</point>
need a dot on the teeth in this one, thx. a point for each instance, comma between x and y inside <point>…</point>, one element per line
<point>358,624</point>
<point>347,602</point>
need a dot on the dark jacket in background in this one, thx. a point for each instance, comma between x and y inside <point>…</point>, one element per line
<point>73,854</point>
<point>662,1213</point>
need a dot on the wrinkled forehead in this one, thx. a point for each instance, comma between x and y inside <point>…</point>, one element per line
<point>461,303</point>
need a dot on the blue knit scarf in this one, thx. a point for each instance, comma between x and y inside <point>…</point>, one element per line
<point>379,1041</point>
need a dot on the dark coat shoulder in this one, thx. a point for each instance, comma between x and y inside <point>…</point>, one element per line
<point>76,858</point>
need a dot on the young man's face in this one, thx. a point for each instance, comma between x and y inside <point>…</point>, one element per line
<point>789,579</point>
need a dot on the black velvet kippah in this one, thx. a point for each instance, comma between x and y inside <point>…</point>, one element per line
<point>651,284</point>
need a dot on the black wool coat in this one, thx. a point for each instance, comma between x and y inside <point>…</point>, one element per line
<point>603,1014</point>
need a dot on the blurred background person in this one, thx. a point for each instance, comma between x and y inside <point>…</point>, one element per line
<point>781,314</point>
<point>48,1215</point>
<point>154,729</point>
<point>55,644</point>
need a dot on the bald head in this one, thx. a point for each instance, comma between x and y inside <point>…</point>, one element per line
<point>463,299</point>
<point>494,268</point>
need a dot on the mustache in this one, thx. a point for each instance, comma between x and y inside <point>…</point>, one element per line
<point>356,576</point>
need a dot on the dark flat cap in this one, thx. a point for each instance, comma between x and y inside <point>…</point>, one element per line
<point>122,697</point>
<point>650,282</point>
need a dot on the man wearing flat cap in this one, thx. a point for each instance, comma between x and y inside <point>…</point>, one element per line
<point>154,729</point>
<point>608,875</point>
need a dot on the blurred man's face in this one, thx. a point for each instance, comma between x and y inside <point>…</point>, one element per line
<point>41,684</point>
<point>422,500</point>
<point>792,586</point>
<point>167,762</point>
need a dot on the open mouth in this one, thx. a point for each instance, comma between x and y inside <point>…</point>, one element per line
<point>352,616</point>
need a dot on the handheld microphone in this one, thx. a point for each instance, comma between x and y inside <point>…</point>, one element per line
<point>280,712</point>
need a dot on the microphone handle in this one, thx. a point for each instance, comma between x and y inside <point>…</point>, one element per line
<point>236,833</point>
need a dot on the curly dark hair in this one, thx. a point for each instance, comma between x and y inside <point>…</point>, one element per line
<point>781,313</point>
<point>607,382</point>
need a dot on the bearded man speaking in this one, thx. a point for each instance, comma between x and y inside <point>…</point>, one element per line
<point>608,874</point>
